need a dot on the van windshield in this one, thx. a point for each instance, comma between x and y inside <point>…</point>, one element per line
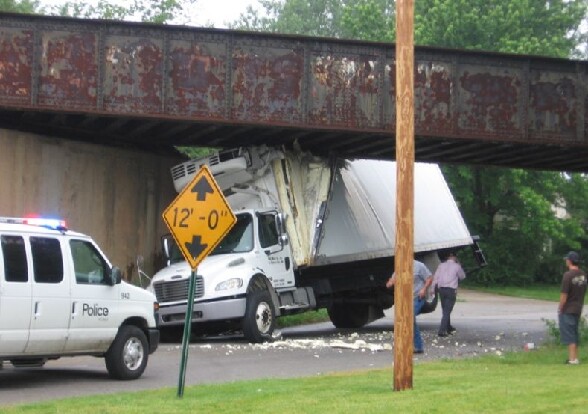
<point>238,240</point>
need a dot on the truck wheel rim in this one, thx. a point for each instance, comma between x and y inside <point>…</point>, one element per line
<point>133,354</point>
<point>263,317</point>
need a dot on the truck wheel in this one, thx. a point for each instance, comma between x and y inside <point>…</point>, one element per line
<point>259,320</point>
<point>349,315</point>
<point>127,356</point>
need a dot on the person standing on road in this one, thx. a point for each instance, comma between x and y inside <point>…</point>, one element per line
<point>446,278</point>
<point>571,301</point>
<point>422,279</point>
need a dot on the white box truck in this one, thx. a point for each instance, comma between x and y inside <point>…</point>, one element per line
<point>311,233</point>
<point>60,296</point>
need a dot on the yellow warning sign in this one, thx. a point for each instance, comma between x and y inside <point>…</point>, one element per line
<point>199,217</point>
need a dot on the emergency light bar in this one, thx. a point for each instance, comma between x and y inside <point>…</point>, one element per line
<point>54,224</point>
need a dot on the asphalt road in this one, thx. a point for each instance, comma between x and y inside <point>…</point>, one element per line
<point>485,323</point>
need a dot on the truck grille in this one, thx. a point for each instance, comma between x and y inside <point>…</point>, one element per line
<point>177,290</point>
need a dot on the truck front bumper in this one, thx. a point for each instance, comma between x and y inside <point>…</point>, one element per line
<point>217,310</point>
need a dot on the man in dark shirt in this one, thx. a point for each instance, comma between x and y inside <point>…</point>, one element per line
<point>571,301</point>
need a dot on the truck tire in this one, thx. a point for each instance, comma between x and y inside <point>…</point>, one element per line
<point>260,320</point>
<point>349,315</point>
<point>127,356</point>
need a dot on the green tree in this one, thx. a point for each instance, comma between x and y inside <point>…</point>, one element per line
<point>358,19</point>
<point>373,20</point>
<point>516,214</point>
<point>197,152</point>
<point>312,18</point>
<point>22,6</point>
<point>153,11</point>
<point>538,27</point>
<point>512,210</point>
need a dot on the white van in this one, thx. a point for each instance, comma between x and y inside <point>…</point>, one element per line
<point>60,296</point>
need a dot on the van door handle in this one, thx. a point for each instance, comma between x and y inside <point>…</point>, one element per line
<point>74,312</point>
<point>37,310</point>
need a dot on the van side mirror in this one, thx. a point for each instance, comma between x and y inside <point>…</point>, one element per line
<point>114,276</point>
<point>140,272</point>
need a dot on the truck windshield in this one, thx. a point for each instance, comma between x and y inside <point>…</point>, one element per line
<point>238,240</point>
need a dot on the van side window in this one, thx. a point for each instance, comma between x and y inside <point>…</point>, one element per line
<point>89,265</point>
<point>47,260</point>
<point>15,259</point>
<point>268,234</point>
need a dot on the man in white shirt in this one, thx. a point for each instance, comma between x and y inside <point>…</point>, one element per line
<point>447,277</point>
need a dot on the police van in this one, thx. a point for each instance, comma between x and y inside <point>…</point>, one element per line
<point>60,296</point>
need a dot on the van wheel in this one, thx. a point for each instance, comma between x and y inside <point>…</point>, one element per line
<point>260,320</point>
<point>127,356</point>
<point>349,315</point>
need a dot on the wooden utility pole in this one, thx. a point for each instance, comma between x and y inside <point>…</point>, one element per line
<point>403,301</point>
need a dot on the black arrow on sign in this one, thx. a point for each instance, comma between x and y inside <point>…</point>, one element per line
<point>201,188</point>
<point>196,247</point>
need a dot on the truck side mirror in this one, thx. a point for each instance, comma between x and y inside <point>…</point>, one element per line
<point>478,253</point>
<point>281,223</point>
<point>165,243</point>
<point>283,240</point>
<point>281,228</point>
<point>114,276</point>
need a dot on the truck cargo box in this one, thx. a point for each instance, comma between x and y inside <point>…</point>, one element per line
<point>344,210</point>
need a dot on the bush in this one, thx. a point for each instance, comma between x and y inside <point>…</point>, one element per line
<point>553,330</point>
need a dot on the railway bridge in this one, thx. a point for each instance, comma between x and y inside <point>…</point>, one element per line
<point>91,111</point>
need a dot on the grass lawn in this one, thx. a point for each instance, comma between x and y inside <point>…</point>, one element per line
<point>524,382</point>
<point>543,292</point>
<point>305,318</point>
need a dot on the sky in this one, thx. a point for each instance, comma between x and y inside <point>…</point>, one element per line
<point>219,12</point>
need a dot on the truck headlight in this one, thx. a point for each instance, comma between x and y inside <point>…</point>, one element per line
<point>233,283</point>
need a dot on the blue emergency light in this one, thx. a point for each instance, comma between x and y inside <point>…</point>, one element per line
<point>50,223</point>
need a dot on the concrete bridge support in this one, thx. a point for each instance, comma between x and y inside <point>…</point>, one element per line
<point>113,194</point>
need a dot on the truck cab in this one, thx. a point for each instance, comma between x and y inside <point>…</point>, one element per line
<point>253,257</point>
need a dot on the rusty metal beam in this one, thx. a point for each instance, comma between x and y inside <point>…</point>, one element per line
<point>195,133</point>
<point>234,83</point>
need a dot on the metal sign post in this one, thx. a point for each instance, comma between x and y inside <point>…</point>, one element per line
<point>198,219</point>
<point>403,308</point>
<point>187,334</point>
